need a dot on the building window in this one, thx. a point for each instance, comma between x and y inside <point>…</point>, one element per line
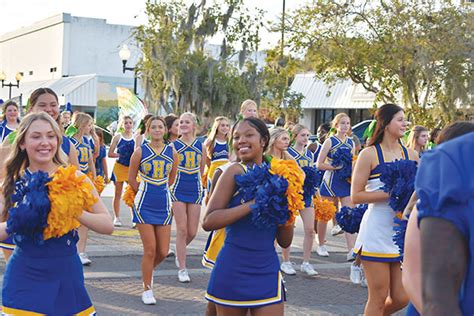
<point>53,69</point>
<point>31,73</point>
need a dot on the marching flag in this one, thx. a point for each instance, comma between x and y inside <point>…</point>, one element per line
<point>129,104</point>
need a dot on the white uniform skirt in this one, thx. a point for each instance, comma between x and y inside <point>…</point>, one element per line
<point>374,241</point>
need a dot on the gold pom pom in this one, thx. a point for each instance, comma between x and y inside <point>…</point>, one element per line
<point>70,195</point>
<point>324,210</point>
<point>129,196</point>
<point>99,182</point>
<point>289,170</point>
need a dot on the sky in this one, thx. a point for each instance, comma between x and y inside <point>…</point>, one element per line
<point>17,13</point>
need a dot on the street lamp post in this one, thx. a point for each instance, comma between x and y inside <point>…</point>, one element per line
<point>10,85</point>
<point>124,54</point>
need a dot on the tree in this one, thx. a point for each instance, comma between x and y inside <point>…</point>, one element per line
<point>416,53</point>
<point>178,74</point>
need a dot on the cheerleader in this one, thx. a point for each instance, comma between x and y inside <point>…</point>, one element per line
<point>141,136</point>
<point>44,275</point>
<point>411,273</point>
<point>246,275</point>
<point>248,109</point>
<point>418,139</point>
<point>216,147</point>
<point>81,123</point>
<point>304,158</point>
<point>124,144</point>
<point>187,191</point>
<point>156,163</point>
<point>172,124</point>
<point>41,100</point>
<point>10,119</point>
<point>101,168</point>
<point>333,187</point>
<point>378,252</point>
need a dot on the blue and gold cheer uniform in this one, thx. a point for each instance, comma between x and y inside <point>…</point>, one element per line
<point>120,172</point>
<point>152,203</point>
<point>304,159</point>
<point>84,153</point>
<point>332,185</point>
<point>188,187</point>
<point>219,157</point>
<point>247,269</point>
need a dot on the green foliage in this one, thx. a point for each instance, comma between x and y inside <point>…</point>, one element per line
<point>178,74</point>
<point>416,53</point>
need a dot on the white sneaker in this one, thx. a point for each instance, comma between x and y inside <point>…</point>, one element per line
<point>84,259</point>
<point>148,298</point>
<point>117,222</point>
<point>322,251</point>
<point>183,276</point>
<point>287,268</point>
<point>134,225</point>
<point>171,251</point>
<point>350,255</point>
<point>356,274</point>
<point>336,230</point>
<point>307,268</point>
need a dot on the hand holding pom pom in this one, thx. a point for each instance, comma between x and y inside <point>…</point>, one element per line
<point>342,158</point>
<point>311,182</point>
<point>125,151</point>
<point>400,229</point>
<point>129,196</point>
<point>350,218</point>
<point>324,209</point>
<point>399,179</point>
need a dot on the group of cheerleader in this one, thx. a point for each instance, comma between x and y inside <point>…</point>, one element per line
<point>238,171</point>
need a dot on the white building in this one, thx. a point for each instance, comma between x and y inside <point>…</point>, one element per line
<point>77,57</point>
<point>322,102</point>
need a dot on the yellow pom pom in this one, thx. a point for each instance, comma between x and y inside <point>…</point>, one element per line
<point>70,195</point>
<point>99,182</point>
<point>324,210</point>
<point>129,196</point>
<point>289,170</point>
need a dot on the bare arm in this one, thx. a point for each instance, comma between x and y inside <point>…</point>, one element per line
<point>174,169</point>
<point>99,219</point>
<point>113,146</point>
<point>138,140</point>
<point>217,214</point>
<point>207,160</point>
<point>106,169</point>
<point>411,274</point>
<point>360,177</point>
<point>203,160</point>
<point>3,226</point>
<point>73,156</point>
<point>133,168</point>
<point>92,166</point>
<point>442,246</point>
<point>321,162</point>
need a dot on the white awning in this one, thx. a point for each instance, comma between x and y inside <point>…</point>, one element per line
<point>344,94</point>
<point>78,90</point>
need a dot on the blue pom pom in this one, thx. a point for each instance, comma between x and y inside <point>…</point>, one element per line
<point>311,183</point>
<point>271,204</point>
<point>247,182</point>
<point>28,218</point>
<point>125,151</point>
<point>342,157</point>
<point>350,218</point>
<point>399,179</point>
<point>400,229</point>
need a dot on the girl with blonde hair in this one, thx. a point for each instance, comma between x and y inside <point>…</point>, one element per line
<point>124,143</point>
<point>187,192</point>
<point>45,267</point>
<point>249,109</point>
<point>418,138</point>
<point>304,158</point>
<point>10,119</point>
<point>217,147</point>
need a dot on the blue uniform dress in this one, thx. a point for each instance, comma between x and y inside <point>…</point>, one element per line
<point>152,203</point>
<point>304,159</point>
<point>247,269</point>
<point>46,279</point>
<point>99,165</point>
<point>375,239</point>
<point>332,185</point>
<point>219,157</point>
<point>120,172</point>
<point>188,187</point>
<point>4,131</point>
<point>84,153</point>
<point>445,188</point>
<point>66,145</point>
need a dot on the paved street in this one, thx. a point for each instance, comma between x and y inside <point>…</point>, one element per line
<point>113,279</point>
